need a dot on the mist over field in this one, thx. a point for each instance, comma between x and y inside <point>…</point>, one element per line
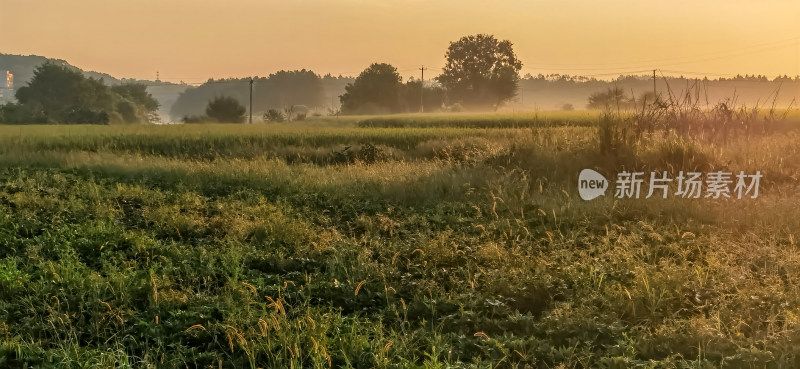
<point>404,184</point>
<point>320,93</point>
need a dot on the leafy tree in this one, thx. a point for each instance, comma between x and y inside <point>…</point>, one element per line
<point>612,98</point>
<point>137,93</point>
<point>56,90</point>
<point>134,103</point>
<point>59,93</point>
<point>480,71</point>
<point>433,96</point>
<point>21,114</point>
<point>225,109</point>
<point>297,87</point>
<point>376,90</point>
<point>283,88</point>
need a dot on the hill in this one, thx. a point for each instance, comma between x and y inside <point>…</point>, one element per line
<point>22,67</point>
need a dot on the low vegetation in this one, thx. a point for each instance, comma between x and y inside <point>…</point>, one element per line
<point>412,241</point>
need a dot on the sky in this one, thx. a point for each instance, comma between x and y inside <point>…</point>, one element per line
<point>193,40</point>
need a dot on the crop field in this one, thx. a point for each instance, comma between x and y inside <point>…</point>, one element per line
<point>407,241</point>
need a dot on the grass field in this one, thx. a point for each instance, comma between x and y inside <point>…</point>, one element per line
<point>416,241</point>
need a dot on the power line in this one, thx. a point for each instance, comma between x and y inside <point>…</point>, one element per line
<point>676,60</point>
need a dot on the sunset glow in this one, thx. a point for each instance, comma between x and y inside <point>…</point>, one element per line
<point>194,40</point>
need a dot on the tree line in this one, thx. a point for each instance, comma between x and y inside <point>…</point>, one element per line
<point>481,73</point>
<point>60,94</point>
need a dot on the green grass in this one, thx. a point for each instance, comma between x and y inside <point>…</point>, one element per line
<point>433,246</point>
<point>485,120</point>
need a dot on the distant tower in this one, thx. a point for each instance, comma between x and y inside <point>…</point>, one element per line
<point>158,79</point>
<point>7,92</point>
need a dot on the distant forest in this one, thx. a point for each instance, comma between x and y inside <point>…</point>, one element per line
<point>320,94</point>
<point>549,92</point>
<point>277,91</point>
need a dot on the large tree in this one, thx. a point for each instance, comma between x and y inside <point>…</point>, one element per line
<point>62,94</point>
<point>376,90</point>
<point>433,96</point>
<point>57,91</point>
<point>481,71</point>
<point>287,88</point>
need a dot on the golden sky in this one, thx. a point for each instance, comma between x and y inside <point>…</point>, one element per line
<point>193,40</point>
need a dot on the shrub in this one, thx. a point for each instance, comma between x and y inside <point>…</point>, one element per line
<point>273,115</point>
<point>225,109</point>
<point>613,98</point>
<point>21,114</point>
<point>84,116</point>
<point>195,119</point>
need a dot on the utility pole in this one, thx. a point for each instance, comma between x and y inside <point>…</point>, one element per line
<point>697,92</point>
<point>251,100</point>
<point>422,90</point>
<point>655,91</point>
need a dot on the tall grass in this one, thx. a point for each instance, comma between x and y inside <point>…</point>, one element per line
<point>273,246</point>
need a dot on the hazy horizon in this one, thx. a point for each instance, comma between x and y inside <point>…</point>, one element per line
<point>196,40</point>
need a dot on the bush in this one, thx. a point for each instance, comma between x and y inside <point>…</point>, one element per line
<point>84,116</point>
<point>456,108</point>
<point>225,109</point>
<point>295,112</point>
<point>613,98</point>
<point>12,113</point>
<point>368,154</point>
<point>195,119</point>
<point>273,115</point>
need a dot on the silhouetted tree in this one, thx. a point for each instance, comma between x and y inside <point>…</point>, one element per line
<point>480,71</point>
<point>433,96</point>
<point>57,90</point>
<point>297,87</point>
<point>137,93</point>
<point>612,98</point>
<point>225,110</point>
<point>283,88</point>
<point>376,90</point>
